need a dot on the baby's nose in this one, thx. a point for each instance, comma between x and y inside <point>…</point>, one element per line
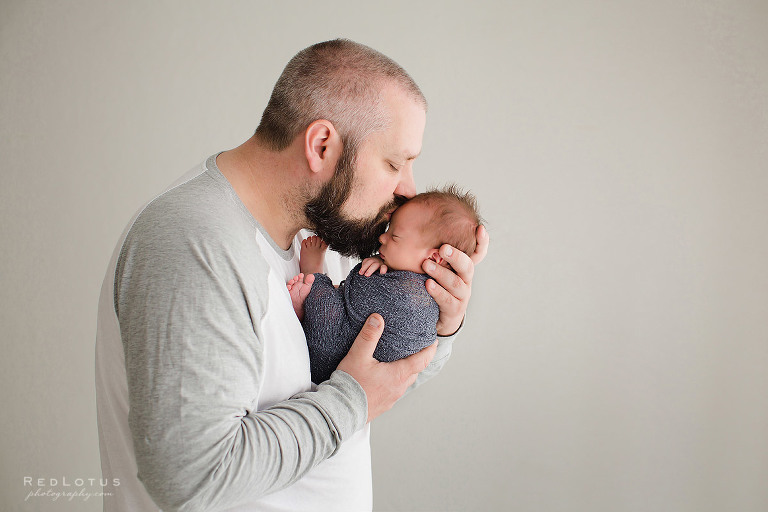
<point>381,238</point>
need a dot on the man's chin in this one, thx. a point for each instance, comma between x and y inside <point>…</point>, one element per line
<point>353,252</point>
<point>357,243</point>
<point>351,237</point>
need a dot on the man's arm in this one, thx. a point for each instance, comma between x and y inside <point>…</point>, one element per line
<point>194,362</point>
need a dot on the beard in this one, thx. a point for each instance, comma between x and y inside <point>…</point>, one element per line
<point>349,237</point>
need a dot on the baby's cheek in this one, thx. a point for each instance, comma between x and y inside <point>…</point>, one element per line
<point>415,261</point>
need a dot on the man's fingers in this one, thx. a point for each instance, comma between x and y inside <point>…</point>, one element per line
<point>444,299</point>
<point>457,281</point>
<point>418,362</point>
<point>460,262</point>
<point>366,341</point>
<point>482,245</point>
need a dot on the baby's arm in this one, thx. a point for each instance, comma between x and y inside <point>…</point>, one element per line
<point>371,265</point>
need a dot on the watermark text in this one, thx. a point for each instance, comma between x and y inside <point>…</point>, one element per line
<point>67,488</point>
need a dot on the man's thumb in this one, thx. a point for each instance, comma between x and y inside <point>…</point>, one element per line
<point>366,341</point>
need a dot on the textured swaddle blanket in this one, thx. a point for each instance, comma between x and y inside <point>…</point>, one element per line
<point>333,317</point>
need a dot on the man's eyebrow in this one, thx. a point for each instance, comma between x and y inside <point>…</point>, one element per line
<point>409,156</point>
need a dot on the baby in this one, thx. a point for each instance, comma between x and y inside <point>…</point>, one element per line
<point>332,317</point>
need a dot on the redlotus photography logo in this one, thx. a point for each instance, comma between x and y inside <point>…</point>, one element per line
<point>68,488</point>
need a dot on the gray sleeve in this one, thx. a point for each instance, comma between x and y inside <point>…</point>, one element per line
<point>444,349</point>
<point>193,360</point>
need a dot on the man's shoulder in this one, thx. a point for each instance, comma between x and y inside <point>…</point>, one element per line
<point>196,225</point>
<point>199,207</point>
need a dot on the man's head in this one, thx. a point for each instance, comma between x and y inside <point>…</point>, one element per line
<point>348,236</point>
<point>377,111</point>
<point>426,222</point>
<point>341,81</point>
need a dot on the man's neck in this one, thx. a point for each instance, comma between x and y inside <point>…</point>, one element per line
<point>265,181</point>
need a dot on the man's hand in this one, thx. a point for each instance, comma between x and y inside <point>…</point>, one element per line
<point>451,289</point>
<point>383,383</point>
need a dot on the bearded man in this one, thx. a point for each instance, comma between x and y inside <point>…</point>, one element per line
<point>202,373</point>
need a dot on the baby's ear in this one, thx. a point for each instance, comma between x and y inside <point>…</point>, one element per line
<point>434,255</point>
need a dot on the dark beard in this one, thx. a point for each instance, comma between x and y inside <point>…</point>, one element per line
<point>348,237</point>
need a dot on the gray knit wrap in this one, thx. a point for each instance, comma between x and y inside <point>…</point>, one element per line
<point>333,317</point>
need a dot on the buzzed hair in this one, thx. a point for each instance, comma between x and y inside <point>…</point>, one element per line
<point>454,219</point>
<point>340,81</point>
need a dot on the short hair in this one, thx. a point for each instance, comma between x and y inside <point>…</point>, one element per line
<point>338,80</point>
<point>454,219</point>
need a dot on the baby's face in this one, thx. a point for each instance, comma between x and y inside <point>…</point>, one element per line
<point>403,246</point>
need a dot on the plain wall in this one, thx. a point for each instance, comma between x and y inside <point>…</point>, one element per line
<point>615,354</point>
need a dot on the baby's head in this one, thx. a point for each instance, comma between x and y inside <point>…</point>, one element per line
<point>419,227</point>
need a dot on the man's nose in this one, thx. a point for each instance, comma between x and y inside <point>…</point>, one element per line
<point>406,187</point>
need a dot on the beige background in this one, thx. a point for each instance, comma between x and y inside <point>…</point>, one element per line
<point>615,357</point>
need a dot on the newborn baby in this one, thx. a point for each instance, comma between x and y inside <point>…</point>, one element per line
<point>391,283</point>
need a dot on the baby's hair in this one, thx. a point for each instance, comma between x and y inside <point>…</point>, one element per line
<point>454,219</point>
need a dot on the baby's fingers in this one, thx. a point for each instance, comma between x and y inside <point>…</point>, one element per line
<point>366,265</point>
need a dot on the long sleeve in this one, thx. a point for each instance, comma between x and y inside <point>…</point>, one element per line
<point>443,353</point>
<point>190,313</point>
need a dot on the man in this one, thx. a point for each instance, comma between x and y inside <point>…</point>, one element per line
<point>202,373</point>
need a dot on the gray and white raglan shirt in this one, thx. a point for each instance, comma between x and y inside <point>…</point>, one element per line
<point>203,386</point>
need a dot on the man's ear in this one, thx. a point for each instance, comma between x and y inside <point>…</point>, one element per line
<point>322,145</point>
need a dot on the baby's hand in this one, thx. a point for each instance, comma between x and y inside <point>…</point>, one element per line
<point>371,265</point>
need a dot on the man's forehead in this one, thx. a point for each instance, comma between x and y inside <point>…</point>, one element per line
<point>403,137</point>
<point>402,146</point>
<point>393,146</point>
